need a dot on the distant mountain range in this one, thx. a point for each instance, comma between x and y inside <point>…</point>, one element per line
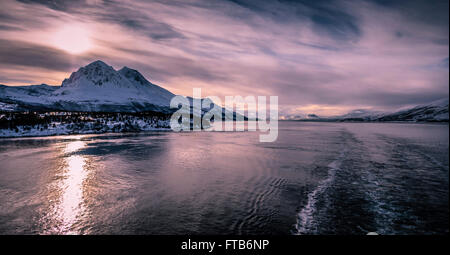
<point>97,87</point>
<point>436,111</point>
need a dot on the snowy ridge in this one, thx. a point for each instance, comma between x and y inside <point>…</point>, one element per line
<point>362,114</point>
<point>95,87</point>
<point>436,111</point>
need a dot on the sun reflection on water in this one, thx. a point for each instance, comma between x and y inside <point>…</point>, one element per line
<point>74,146</point>
<point>70,206</point>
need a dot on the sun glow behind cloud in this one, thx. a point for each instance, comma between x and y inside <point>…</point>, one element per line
<point>321,56</point>
<point>72,38</point>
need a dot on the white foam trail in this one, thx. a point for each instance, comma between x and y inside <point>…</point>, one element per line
<point>305,218</point>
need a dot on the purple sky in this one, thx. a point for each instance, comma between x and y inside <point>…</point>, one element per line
<point>324,57</point>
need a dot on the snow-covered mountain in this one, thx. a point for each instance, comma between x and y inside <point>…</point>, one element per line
<point>436,111</point>
<point>304,117</point>
<point>363,114</point>
<point>95,87</point>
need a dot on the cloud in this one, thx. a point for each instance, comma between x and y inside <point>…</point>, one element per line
<point>377,54</point>
<point>9,27</point>
<point>157,64</point>
<point>134,19</point>
<point>20,53</point>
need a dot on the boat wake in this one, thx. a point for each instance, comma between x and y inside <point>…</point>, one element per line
<point>306,223</point>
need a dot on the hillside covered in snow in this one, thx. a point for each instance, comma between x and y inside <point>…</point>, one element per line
<point>96,87</point>
<point>436,111</point>
<point>99,88</point>
<point>13,124</point>
<point>94,99</point>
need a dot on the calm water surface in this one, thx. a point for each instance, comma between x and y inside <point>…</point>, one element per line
<point>317,178</point>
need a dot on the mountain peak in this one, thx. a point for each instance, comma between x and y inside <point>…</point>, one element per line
<point>97,72</point>
<point>134,75</point>
<point>97,63</point>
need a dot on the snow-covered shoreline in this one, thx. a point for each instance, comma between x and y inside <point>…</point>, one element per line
<point>79,124</point>
<point>57,132</point>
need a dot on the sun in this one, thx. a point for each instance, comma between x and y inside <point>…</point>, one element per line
<point>73,39</point>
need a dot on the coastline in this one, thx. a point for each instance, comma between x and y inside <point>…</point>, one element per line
<point>4,135</point>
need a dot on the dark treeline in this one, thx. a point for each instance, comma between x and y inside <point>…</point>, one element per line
<point>12,120</point>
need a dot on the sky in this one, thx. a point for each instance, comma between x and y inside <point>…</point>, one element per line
<point>324,57</point>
